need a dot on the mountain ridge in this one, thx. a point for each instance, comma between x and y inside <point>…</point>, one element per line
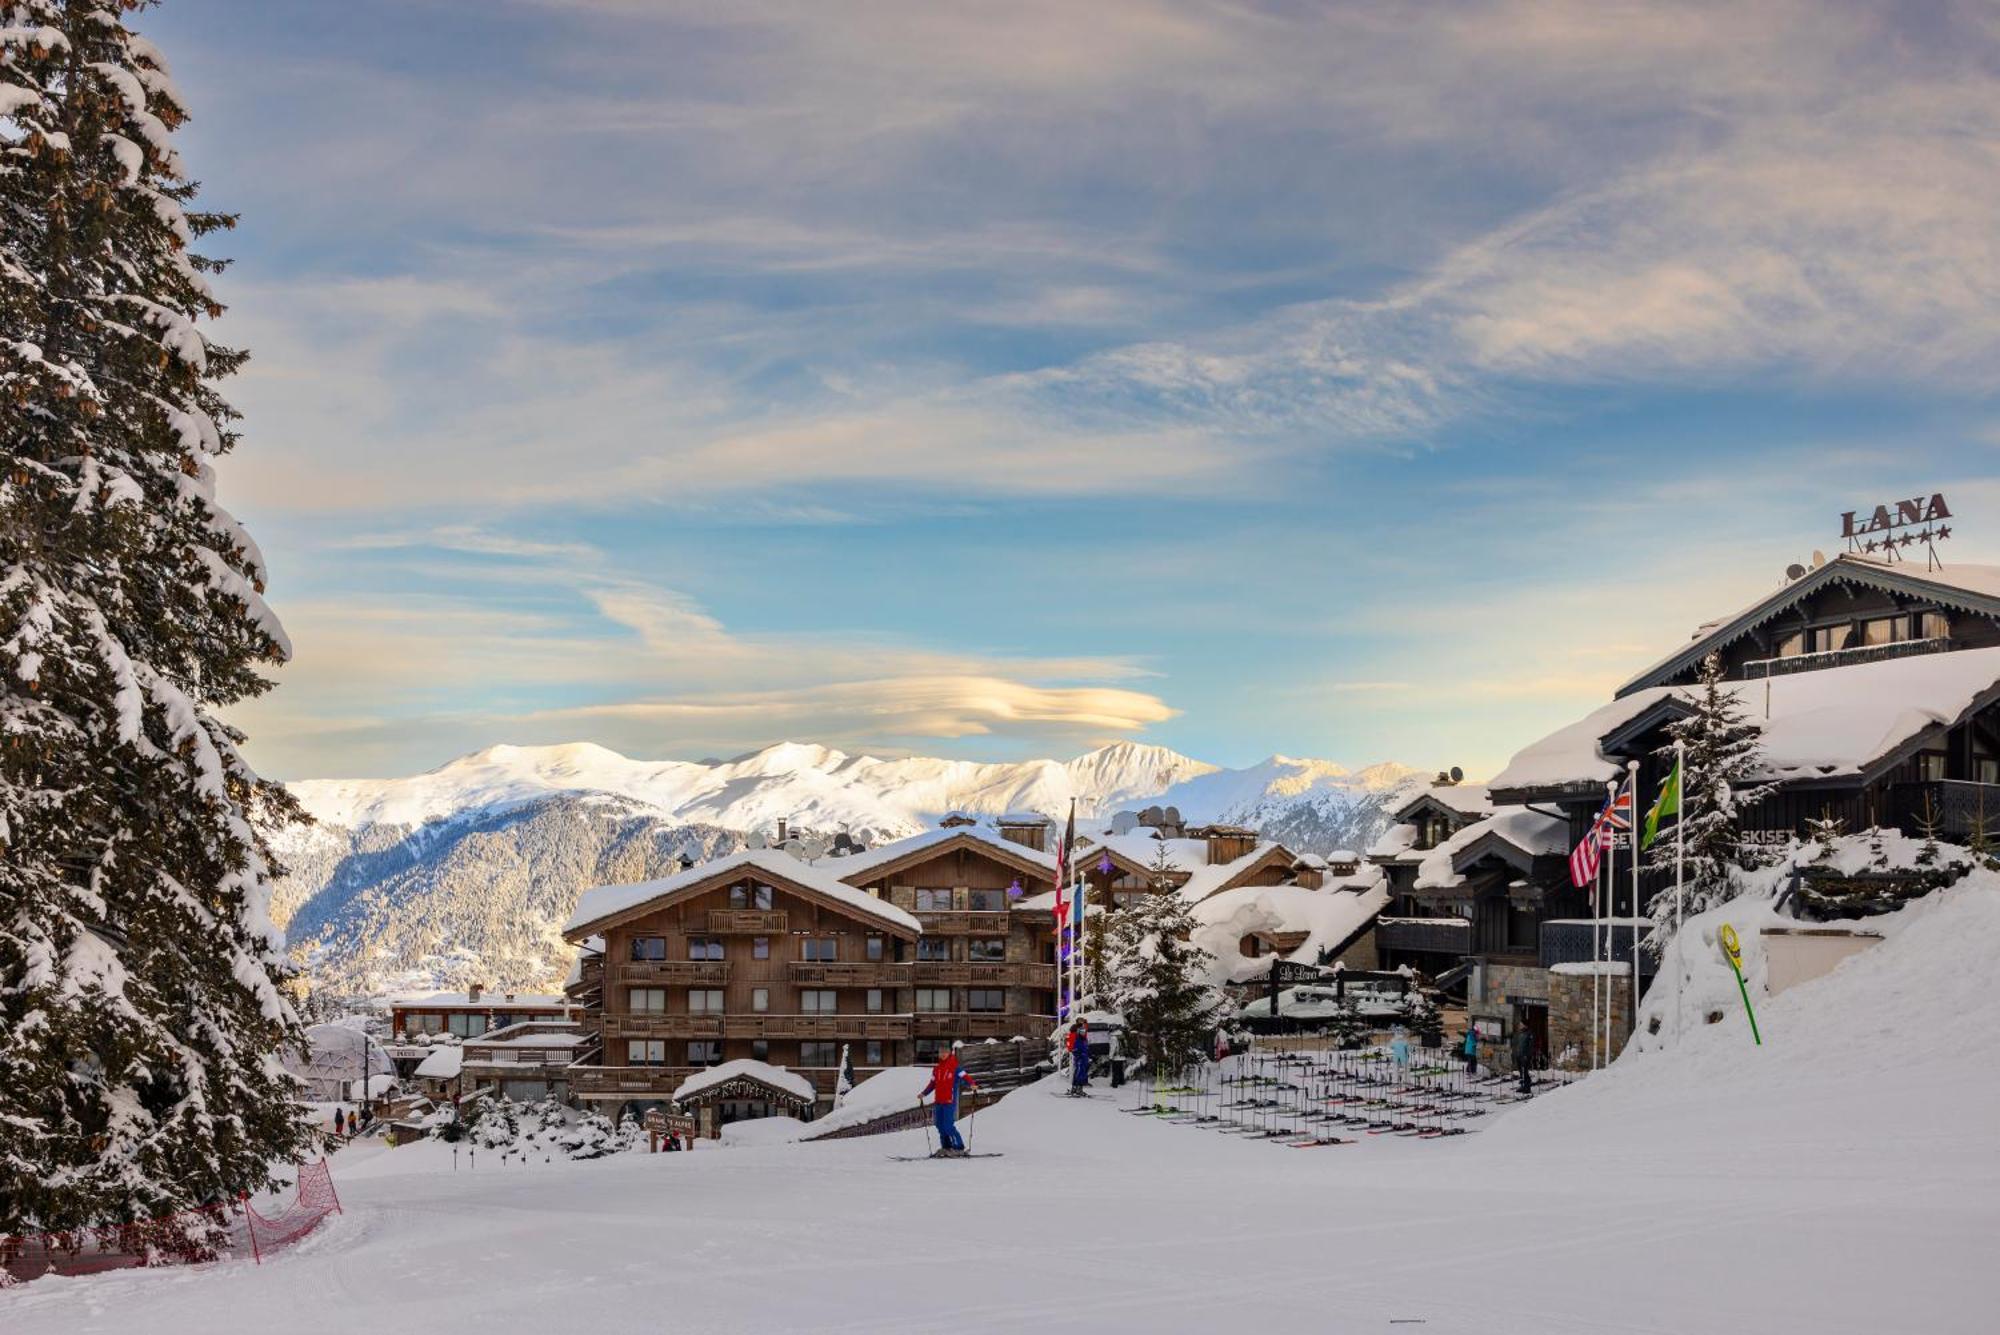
<point>464,873</point>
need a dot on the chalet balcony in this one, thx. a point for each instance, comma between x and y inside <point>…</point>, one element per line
<point>616,1027</point>
<point>1757,669</point>
<point>737,922</point>
<point>1442,936</point>
<point>961,923</point>
<point>982,1024</point>
<point>626,1082</point>
<point>977,974</point>
<point>658,973</point>
<point>856,974</point>
<point>816,1026</point>
<point>1956,806</point>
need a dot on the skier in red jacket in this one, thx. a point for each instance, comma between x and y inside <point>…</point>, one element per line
<point>947,1078</point>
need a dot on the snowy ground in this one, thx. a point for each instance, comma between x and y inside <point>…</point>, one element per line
<point>1844,1178</point>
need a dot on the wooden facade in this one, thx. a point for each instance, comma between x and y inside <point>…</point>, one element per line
<point>745,964</point>
<point>983,969</point>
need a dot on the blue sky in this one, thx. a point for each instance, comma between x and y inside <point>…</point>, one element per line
<point>1367,381</point>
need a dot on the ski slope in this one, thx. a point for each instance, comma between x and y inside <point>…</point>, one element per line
<point>1843,1178</point>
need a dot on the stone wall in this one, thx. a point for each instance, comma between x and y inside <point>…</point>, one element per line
<point>1573,991</point>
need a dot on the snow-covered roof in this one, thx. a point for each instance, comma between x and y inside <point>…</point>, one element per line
<point>856,866</point>
<point>1207,880</point>
<point>1396,843</point>
<point>590,945</point>
<point>744,1068</point>
<point>609,901</point>
<point>1534,833</point>
<point>1977,586</point>
<point>497,1001</point>
<point>441,1064</point>
<point>1469,800</point>
<point>1835,721</point>
<point>1327,917</point>
<point>1142,850</point>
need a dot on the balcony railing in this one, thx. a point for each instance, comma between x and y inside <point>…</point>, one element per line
<point>731,922</point>
<point>661,972</point>
<point>981,1024</point>
<point>816,1026</point>
<point>856,974</point>
<point>1759,668</point>
<point>958,922</point>
<point>1956,806</point>
<point>1447,936</point>
<point>978,973</point>
<point>662,1026</point>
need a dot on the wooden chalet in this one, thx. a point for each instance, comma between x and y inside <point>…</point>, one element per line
<point>755,957</point>
<point>1875,687</point>
<point>473,1012</point>
<point>1428,932</point>
<point>984,967</point>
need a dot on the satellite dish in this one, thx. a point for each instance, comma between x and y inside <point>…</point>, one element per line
<point>756,839</point>
<point>1457,774</point>
<point>1819,558</point>
<point>1795,571</point>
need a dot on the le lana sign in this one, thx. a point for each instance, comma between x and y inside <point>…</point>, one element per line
<point>1898,524</point>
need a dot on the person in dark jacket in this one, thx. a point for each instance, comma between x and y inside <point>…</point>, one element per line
<point>1524,1057</point>
<point>340,1122</point>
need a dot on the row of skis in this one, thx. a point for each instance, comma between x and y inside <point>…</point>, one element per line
<point>1309,1099</point>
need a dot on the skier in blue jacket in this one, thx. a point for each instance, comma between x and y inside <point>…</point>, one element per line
<point>1079,1058</point>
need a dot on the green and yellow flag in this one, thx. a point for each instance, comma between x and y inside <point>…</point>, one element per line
<point>1667,804</point>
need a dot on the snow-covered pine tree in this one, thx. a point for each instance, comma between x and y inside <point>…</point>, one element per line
<point>1826,833</point>
<point>1722,756</point>
<point>1159,978</point>
<point>140,1005</point>
<point>1347,1028</point>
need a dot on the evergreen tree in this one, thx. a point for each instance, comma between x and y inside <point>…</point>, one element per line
<point>1420,1014</point>
<point>1722,757</point>
<point>141,1012</point>
<point>1160,982</point>
<point>1347,1028</point>
<point>1826,833</point>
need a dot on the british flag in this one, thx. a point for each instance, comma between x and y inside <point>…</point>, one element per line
<point>1613,820</point>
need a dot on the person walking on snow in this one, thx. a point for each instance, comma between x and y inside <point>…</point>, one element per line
<point>1079,1058</point>
<point>1524,1056</point>
<point>1470,1050</point>
<point>947,1078</point>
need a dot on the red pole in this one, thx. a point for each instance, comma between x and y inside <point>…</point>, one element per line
<point>250,1226</point>
<point>324,1168</point>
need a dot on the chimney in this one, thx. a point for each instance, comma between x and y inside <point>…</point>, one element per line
<point>1027,831</point>
<point>472,993</point>
<point>1226,843</point>
<point>784,829</point>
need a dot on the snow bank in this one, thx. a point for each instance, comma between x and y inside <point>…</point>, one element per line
<point>884,1092</point>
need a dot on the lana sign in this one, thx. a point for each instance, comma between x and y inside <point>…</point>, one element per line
<point>1897,525</point>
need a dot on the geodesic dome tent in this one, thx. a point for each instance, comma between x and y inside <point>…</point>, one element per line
<point>331,1064</point>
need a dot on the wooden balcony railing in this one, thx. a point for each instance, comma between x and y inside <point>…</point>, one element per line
<point>855,974</point>
<point>958,923</point>
<point>657,1082</point>
<point>816,1026</point>
<point>661,1026</point>
<point>966,1024</point>
<point>655,973</point>
<point>731,922</point>
<point>976,973</point>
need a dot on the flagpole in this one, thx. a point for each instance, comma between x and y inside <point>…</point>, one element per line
<point>1680,853</point>
<point>1632,768</point>
<point>1607,849</point>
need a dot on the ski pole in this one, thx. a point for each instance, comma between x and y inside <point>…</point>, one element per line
<point>926,1128</point>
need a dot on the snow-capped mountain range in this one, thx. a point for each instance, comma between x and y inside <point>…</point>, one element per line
<point>463,873</point>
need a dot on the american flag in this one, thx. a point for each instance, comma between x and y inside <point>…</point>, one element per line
<point>1615,818</point>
